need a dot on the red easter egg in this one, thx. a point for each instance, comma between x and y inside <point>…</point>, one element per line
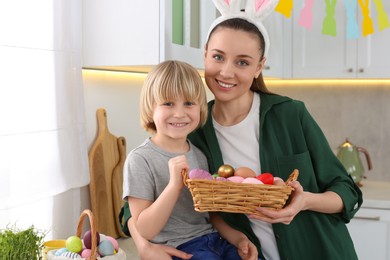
<point>88,239</point>
<point>266,178</point>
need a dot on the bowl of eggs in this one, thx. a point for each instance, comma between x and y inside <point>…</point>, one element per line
<point>238,190</point>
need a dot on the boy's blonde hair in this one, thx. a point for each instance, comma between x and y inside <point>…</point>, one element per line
<point>166,82</point>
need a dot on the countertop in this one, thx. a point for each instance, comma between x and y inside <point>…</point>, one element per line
<point>376,194</point>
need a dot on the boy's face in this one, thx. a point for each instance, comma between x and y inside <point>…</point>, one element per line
<point>175,119</point>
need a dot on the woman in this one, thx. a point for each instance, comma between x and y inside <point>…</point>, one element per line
<point>249,126</point>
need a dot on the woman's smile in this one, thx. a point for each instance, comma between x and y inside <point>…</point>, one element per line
<point>225,85</point>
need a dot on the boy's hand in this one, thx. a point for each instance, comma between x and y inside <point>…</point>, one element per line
<point>247,250</point>
<point>176,166</point>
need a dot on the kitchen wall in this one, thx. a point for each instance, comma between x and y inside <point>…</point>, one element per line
<point>355,109</point>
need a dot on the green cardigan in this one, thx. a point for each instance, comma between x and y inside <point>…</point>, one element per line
<point>291,139</point>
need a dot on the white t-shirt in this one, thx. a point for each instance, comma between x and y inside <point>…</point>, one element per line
<point>240,147</point>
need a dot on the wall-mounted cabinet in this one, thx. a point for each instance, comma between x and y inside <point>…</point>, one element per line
<point>278,62</point>
<point>316,55</point>
<point>132,34</point>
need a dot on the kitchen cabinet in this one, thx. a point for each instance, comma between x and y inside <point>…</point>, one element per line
<point>370,228</point>
<point>316,55</point>
<point>134,35</point>
<point>278,62</point>
<point>370,231</point>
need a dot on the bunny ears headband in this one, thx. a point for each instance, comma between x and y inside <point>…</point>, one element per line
<point>255,12</point>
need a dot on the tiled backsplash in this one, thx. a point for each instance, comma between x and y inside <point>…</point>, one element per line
<point>355,109</point>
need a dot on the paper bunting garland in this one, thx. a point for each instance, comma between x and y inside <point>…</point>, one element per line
<point>352,26</point>
<point>383,20</point>
<point>306,17</point>
<point>285,7</point>
<point>329,23</point>
<point>368,27</point>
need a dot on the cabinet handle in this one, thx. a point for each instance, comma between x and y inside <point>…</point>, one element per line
<point>361,70</point>
<point>375,218</point>
<point>267,68</point>
<point>350,70</point>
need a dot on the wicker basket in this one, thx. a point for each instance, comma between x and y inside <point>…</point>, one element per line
<point>120,255</point>
<point>226,196</point>
<point>92,222</point>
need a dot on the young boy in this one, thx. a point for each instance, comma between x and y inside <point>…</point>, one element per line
<point>173,104</point>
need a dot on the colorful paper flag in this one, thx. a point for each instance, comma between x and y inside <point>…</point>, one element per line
<point>285,7</point>
<point>352,25</point>
<point>329,23</point>
<point>383,20</point>
<point>367,24</point>
<point>306,17</point>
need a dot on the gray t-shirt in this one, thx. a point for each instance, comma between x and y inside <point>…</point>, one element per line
<point>145,177</point>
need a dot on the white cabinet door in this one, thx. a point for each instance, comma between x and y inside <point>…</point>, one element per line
<point>120,32</point>
<point>198,16</point>
<point>279,56</point>
<point>316,55</point>
<point>373,50</point>
<point>132,33</point>
<point>370,231</point>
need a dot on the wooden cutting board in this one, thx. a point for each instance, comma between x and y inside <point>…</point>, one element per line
<point>103,157</point>
<point>117,184</point>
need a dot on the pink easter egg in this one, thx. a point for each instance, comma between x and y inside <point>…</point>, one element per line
<point>236,179</point>
<point>252,180</point>
<point>200,174</point>
<point>221,179</point>
<point>86,253</point>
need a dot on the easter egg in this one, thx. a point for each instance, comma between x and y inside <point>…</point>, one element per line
<point>74,244</point>
<point>279,181</point>
<point>105,248</point>
<point>221,178</point>
<point>252,180</point>
<point>226,171</point>
<point>113,242</point>
<point>200,174</point>
<point>88,239</point>
<point>86,253</point>
<point>244,172</point>
<point>236,179</point>
<point>266,178</point>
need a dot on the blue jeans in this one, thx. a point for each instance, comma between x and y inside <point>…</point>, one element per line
<point>210,247</point>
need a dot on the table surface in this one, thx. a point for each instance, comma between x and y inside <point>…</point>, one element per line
<point>376,194</point>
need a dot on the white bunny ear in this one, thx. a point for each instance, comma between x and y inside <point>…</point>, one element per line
<point>260,9</point>
<point>255,12</point>
<point>227,7</point>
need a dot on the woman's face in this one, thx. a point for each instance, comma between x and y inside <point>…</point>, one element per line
<point>232,61</point>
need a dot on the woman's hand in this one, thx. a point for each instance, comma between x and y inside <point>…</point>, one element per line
<point>247,250</point>
<point>154,251</point>
<point>287,214</point>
